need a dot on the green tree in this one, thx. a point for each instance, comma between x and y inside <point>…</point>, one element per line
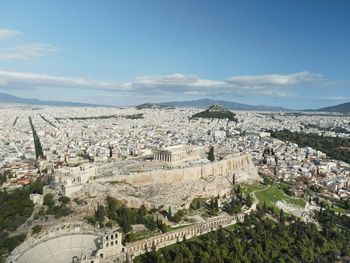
<point>249,200</point>
<point>347,204</point>
<point>48,200</point>
<point>211,156</point>
<point>36,229</point>
<point>59,211</point>
<point>178,258</point>
<point>100,214</point>
<point>169,213</point>
<point>264,208</point>
<point>36,187</point>
<point>176,218</point>
<point>282,217</point>
<point>64,199</point>
<point>124,219</point>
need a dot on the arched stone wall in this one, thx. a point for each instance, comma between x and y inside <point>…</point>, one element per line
<point>156,242</point>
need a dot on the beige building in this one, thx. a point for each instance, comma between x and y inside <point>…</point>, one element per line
<point>70,180</point>
<point>177,153</point>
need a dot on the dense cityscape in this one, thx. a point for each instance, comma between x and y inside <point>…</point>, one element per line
<point>74,160</point>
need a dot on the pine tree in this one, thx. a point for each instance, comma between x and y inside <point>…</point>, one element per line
<point>249,200</point>
<point>216,205</point>
<point>211,156</point>
<point>169,213</point>
<point>264,207</point>
<point>282,216</point>
<point>110,151</point>
<point>198,206</point>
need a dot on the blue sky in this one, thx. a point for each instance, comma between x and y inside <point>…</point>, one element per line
<point>288,53</point>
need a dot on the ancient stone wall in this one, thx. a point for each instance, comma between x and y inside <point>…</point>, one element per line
<point>176,187</point>
<point>154,243</point>
<point>220,168</point>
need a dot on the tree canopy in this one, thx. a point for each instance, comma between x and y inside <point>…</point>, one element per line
<point>259,239</point>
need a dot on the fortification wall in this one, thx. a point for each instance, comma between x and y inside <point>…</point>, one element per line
<point>157,242</point>
<point>176,187</point>
<point>220,168</point>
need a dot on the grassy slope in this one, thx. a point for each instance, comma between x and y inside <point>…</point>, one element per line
<point>272,195</point>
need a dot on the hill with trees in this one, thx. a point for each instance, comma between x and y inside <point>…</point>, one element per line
<point>215,112</point>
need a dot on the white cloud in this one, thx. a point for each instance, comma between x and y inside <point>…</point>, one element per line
<point>165,80</point>
<point>11,79</point>
<point>25,51</point>
<point>169,85</point>
<point>194,93</point>
<point>175,80</point>
<point>275,79</point>
<point>208,83</point>
<point>28,51</point>
<point>276,85</point>
<point>7,33</point>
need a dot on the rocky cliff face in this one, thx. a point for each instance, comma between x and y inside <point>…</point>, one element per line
<point>177,187</point>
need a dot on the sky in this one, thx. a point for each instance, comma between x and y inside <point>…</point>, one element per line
<point>287,53</point>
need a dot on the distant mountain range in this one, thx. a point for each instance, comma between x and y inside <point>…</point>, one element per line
<point>7,98</point>
<point>205,103</point>
<point>153,106</point>
<point>343,108</point>
<point>201,103</point>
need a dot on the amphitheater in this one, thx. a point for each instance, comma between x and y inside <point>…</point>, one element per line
<point>60,249</point>
<point>80,243</point>
<point>69,242</point>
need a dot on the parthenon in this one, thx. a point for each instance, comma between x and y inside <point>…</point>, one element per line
<point>178,153</point>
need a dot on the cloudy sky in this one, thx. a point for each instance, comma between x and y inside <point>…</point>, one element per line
<point>287,53</point>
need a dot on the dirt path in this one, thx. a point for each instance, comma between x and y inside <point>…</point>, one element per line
<point>255,200</point>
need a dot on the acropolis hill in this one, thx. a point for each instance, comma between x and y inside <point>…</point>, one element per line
<point>175,187</point>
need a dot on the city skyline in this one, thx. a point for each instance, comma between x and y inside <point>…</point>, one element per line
<point>272,53</point>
